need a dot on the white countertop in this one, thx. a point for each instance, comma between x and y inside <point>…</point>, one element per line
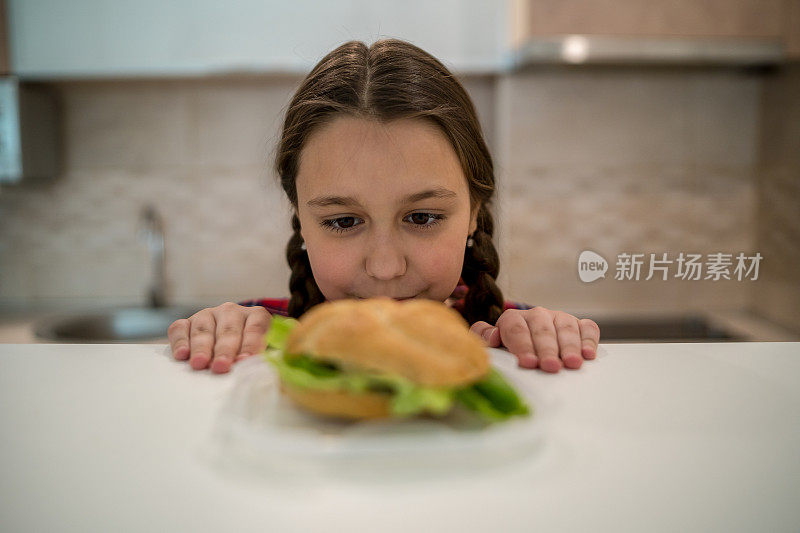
<point>648,437</point>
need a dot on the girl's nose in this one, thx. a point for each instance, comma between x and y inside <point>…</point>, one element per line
<point>385,260</point>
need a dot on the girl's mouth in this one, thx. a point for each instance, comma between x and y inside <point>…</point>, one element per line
<point>393,297</point>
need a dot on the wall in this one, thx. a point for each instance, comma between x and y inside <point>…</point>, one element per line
<point>201,152</point>
<point>651,160</point>
<point>777,295</point>
<point>626,160</point>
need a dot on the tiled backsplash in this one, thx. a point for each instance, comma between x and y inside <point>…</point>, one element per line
<point>626,161</point>
<point>612,160</point>
<point>777,294</point>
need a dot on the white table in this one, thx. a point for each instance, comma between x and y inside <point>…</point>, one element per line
<point>648,437</point>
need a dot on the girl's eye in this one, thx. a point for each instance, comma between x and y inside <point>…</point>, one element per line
<point>420,221</point>
<point>342,221</point>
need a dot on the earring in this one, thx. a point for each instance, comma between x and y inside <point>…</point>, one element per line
<point>470,242</point>
<point>303,245</point>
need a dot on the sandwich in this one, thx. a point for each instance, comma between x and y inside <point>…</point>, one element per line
<point>379,358</point>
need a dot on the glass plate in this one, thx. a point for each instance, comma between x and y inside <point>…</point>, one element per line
<point>260,428</point>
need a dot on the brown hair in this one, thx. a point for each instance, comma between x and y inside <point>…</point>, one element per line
<point>389,80</point>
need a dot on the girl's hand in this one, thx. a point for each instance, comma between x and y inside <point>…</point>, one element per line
<point>219,336</point>
<point>541,337</point>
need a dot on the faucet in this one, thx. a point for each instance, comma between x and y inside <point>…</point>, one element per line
<point>153,233</point>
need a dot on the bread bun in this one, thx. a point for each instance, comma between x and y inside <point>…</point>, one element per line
<point>422,340</point>
<point>340,404</point>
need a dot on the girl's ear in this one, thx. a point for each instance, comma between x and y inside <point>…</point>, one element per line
<point>297,214</point>
<point>473,223</point>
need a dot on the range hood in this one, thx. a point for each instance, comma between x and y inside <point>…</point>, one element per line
<point>635,50</point>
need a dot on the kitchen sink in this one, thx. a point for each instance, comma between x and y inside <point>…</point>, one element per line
<point>114,325</point>
<point>125,324</point>
<point>677,328</point>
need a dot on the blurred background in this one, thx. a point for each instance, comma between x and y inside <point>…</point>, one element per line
<point>137,138</point>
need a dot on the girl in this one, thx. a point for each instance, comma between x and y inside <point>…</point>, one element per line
<point>391,183</point>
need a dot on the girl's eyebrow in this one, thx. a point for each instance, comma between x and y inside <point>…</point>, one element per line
<point>324,201</point>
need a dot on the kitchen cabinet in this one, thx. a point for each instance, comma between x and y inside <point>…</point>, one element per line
<point>4,65</point>
<point>792,25</point>
<point>29,132</point>
<point>675,18</point>
<point>52,39</point>
<point>723,31</point>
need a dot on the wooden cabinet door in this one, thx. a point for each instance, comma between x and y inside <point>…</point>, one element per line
<point>655,18</point>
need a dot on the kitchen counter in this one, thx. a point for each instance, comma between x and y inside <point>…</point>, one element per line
<point>647,437</point>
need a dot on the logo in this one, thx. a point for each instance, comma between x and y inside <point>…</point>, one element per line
<point>630,266</point>
<point>591,266</point>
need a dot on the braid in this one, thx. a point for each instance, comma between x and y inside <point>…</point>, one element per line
<point>484,299</point>
<point>304,289</point>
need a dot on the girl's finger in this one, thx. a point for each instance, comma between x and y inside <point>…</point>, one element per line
<point>545,341</point>
<point>255,327</point>
<point>515,334</point>
<point>590,337</point>
<point>488,333</point>
<point>569,339</point>
<point>201,339</point>
<point>230,325</point>
<point>178,335</point>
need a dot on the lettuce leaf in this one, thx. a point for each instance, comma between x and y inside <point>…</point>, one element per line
<point>406,398</point>
<point>279,329</point>
<point>493,398</point>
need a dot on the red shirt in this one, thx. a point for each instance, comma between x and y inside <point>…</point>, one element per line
<point>280,306</point>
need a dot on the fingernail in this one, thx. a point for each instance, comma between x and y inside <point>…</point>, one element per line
<point>199,362</point>
<point>528,360</point>
<point>587,352</point>
<point>550,364</point>
<point>221,365</point>
<point>182,353</point>
<point>573,361</point>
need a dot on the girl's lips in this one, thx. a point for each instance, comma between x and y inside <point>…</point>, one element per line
<point>394,298</point>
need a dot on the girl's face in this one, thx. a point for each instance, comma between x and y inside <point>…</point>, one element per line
<point>384,209</point>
